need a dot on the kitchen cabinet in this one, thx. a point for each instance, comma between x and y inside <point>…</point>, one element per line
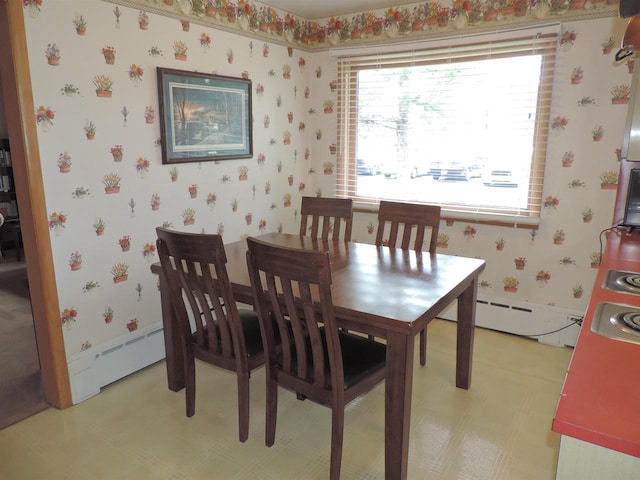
<point>586,461</point>
<point>597,414</point>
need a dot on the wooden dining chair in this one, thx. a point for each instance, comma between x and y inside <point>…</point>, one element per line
<point>409,223</point>
<point>323,217</point>
<point>194,267</point>
<point>292,290</point>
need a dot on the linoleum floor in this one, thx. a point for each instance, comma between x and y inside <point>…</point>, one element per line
<point>500,429</point>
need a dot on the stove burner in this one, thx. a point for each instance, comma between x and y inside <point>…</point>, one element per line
<point>630,319</point>
<point>617,321</point>
<point>630,281</point>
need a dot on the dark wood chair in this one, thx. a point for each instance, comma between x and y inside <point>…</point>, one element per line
<point>292,290</point>
<point>194,267</point>
<point>409,221</point>
<point>326,217</point>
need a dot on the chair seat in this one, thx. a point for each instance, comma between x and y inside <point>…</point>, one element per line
<point>252,335</point>
<point>251,328</point>
<point>360,358</point>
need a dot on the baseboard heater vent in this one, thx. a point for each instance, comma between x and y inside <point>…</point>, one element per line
<point>543,322</point>
<point>101,365</point>
<point>528,310</point>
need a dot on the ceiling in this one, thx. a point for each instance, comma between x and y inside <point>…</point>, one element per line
<point>317,9</point>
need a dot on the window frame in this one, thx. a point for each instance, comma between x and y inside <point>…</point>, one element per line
<point>507,44</point>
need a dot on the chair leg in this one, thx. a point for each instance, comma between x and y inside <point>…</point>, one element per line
<point>423,346</point>
<point>272,411</point>
<point>337,430</point>
<point>243,406</point>
<point>190,384</point>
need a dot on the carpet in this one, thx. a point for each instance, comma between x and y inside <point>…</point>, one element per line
<point>21,393</point>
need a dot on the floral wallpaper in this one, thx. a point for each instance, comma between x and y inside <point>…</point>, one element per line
<point>94,84</point>
<point>418,19</point>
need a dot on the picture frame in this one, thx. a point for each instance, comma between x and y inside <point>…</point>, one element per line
<point>204,117</point>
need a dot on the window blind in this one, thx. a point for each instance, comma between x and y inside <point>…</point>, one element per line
<point>483,101</point>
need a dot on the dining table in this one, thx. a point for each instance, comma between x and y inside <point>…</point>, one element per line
<point>391,294</point>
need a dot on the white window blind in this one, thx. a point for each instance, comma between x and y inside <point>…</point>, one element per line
<point>461,122</point>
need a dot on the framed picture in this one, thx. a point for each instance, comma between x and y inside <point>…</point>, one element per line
<point>203,117</point>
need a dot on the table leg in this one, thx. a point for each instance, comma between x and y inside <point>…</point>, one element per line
<point>398,386</point>
<point>173,349</point>
<point>466,331</point>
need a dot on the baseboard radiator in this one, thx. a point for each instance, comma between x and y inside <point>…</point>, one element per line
<point>547,324</point>
<point>103,364</point>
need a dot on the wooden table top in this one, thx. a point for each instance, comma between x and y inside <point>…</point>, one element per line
<point>392,288</point>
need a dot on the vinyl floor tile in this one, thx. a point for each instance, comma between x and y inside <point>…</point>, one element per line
<point>136,429</point>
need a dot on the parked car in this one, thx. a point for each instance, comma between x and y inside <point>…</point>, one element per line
<point>456,170</point>
<point>499,176</point>
<point>367,168</point>
<point>392,170</point>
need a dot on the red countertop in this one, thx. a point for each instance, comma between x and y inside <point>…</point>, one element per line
<point>600,399</point>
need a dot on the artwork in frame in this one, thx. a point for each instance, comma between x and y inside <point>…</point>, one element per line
<point>203,117</point>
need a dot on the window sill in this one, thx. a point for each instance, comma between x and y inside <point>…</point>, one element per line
<point>452,216</point>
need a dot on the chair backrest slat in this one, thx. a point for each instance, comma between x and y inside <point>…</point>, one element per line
<point>405,218</point>
<point>219,338</point>
<point>324,218</point>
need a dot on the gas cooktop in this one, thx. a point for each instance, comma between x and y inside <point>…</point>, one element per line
<point>621,281</point>
<point>617,322</point>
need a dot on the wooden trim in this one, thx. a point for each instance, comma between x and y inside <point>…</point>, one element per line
<point>15,79</point>
<point>451,220</point>
<point>348,92</point>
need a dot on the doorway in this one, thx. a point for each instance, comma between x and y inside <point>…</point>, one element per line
<point>15,88</point>
<point>21,392</point>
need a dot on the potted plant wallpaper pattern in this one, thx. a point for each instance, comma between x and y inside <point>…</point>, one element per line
<point>83,87</point>
<point>100,88</point>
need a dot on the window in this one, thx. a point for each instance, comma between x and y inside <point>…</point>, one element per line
<point>462,126</point>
